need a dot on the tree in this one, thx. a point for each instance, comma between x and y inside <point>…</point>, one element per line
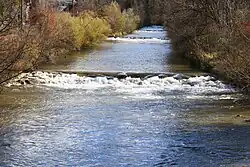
<point>20,45</point>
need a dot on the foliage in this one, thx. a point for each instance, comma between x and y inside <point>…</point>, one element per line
<point>57,36</point>
<point>88,29</point>
<point>12,40</point>
<point>120,22</point>
<point>199,28</point>
<point>96,29</point>
<point>131,20</point>
<point>48,34</point>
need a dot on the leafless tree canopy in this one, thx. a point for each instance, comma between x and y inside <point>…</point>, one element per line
<point>213,32</point>
<point>18,40</point>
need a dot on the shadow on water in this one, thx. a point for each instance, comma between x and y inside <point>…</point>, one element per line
<point>178,64</point>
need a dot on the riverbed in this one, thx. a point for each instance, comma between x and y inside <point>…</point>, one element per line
<point>64,119</point>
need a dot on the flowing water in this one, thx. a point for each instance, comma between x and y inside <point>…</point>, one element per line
<point>162,114</point>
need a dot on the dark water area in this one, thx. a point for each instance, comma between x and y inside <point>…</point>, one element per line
<point>70,120</point>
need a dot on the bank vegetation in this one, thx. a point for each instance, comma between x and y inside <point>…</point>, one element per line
<point>37,34</point>
<point>214,35</point>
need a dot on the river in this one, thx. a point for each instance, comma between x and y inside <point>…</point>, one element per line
<point>185,119</point>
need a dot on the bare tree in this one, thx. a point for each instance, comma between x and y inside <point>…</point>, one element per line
<point>19,44</point>
<point>213,33</point>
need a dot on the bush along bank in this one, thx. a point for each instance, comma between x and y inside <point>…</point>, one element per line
<point>91,27</point>
<point>49,34</point>
<point>213,36</point>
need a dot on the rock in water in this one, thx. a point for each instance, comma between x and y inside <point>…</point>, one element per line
<point>122,75</point>
<point>162,76</point>
<point>247,120</point>
<point>180,76</point>
<point>27,82</point>
<point>238,116</point>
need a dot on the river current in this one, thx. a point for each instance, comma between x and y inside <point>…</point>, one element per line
<point>172,116</point>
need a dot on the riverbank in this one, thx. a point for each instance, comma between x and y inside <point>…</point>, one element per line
<point>51,34</point>
<point>226,69</point>
<point>90,28</point>
<point>72,120</point>
<point>215,43</point>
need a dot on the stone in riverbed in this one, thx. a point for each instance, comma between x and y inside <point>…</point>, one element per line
<point>27,82</point>
<point>180,77</point>
<point>161,76</point>
<point>140,83</point>
<point>122,75</point>
<point>247,120</point>
<point>110,77</point>
<point>148,76</point>
<point>238,116</point>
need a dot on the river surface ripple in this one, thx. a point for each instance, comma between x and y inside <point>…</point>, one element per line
<point>59,119</point>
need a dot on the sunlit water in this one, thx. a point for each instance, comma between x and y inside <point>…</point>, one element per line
<point>60,119</point>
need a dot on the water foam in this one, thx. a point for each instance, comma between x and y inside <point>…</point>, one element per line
<point>199,85</point>
<point>138,40</point>
<point>149,31</point>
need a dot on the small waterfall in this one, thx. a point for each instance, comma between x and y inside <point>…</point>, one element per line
<point>125,82</point>
<point>139,40</point>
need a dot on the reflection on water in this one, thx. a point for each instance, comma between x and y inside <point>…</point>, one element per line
<point>75,121</point>
<point>128,55</point>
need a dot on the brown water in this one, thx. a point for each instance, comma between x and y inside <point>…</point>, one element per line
<point>69,120</point>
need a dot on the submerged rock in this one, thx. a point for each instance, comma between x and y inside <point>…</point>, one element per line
<point>4,144</point>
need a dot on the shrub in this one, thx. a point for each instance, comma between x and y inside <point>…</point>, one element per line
<point>60,30</point>
<point>94,29</point>
<point>77,27</point>
<point>112,13</point>
<point>65,32</point>
<point>50,34</point>
<point>131,20</point>
<point>120,22</point>
<point>88,29</point>
<point>213,33</point>
<point>55,36</point>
